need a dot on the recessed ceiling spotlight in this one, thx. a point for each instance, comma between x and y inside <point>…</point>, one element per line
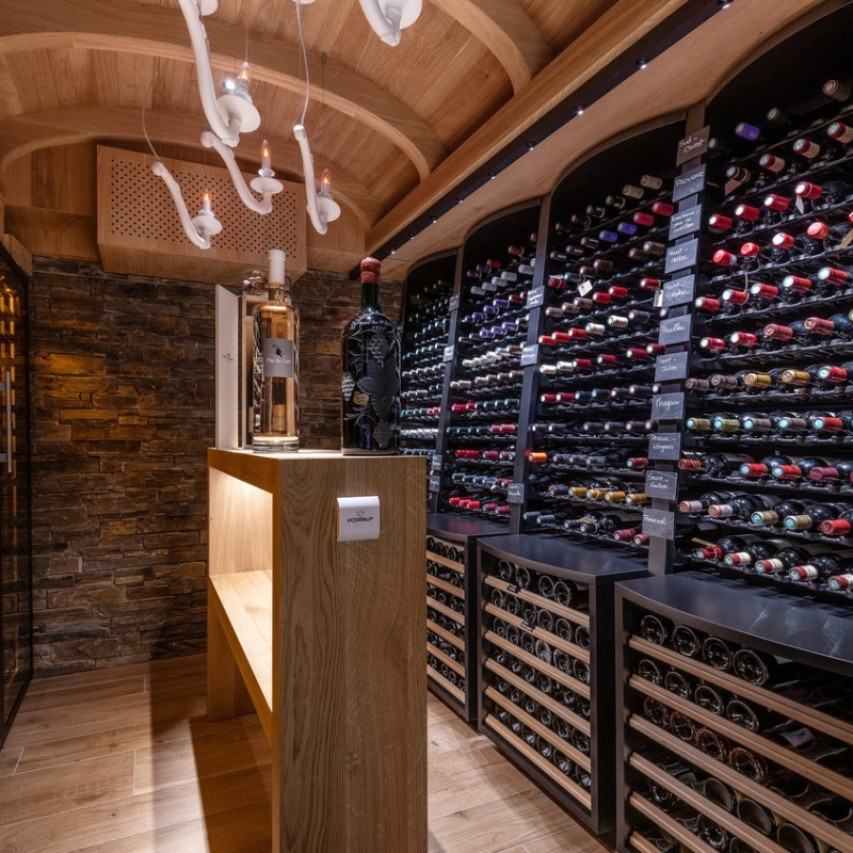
<point>579,109</point>
<point>642,63</point>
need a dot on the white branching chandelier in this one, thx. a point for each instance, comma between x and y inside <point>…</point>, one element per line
<point>233,113</point>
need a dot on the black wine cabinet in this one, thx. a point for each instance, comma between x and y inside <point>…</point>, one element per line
<point>452,609</point>
<point>735,709</point>
<point>546,665</point>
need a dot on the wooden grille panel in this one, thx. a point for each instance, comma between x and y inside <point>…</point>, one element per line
<point>139,231</point>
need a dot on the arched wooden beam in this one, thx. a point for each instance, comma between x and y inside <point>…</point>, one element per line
<point>34,131</point>
<point>507,31</point>
<point>160,31</point>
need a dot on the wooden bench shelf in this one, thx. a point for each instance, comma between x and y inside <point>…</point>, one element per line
<point>324,640</point>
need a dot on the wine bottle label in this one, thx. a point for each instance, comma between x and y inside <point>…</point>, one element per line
<point>278,358</point>
<point>798,738</point>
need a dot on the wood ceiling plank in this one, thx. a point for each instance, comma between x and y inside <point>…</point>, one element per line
<point>34,131</point>
<point>612,34</point>
<point>561,23</point>
<point>152,30</point>
<point>507,31</point>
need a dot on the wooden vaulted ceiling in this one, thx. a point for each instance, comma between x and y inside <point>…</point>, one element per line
<point>397,127</point>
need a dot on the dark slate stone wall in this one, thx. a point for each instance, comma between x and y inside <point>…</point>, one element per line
<point>123,413</point>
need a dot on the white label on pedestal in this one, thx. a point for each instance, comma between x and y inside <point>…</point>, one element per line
<point>358,518</point>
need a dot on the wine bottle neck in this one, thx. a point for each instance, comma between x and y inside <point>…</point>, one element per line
<point>277,292</point>
<point>370,295</point>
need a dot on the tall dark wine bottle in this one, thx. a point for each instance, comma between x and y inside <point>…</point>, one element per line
<point>370,381</point>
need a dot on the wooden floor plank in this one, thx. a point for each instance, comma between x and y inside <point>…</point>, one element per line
<point>243,830</point>
<point>576,839</point>
<point>184,666</point>
<point>51,753</point>
<point>203,757</point>
<point>94,693</point>
<point>125,761</point>
<point>86,718</point>
<point>9,759</point>
<point>104,823</point>
<point>28,796</point>
<point>471,775</point>
<point>517,819</point>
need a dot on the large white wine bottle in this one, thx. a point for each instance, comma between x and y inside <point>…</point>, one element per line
<point>275,367</point>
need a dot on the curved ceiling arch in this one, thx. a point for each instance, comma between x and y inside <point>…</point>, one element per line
<point>37,130</point>
<point>507,31</point>
<point>157,31</point>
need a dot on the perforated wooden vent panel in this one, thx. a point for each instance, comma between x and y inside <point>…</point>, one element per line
<point>139,229</point>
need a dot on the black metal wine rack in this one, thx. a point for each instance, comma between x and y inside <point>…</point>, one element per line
<point>713,758</point>
<point>546,658</point>
<point>451,618</point>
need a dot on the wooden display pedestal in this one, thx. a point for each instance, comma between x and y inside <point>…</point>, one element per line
<point>324,639</point>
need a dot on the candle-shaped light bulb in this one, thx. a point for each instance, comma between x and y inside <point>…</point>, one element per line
<point>244,73</point>
<point>206,210</point>
<point>266,157</point>
<point>276,271</point>
<point>326,184</point>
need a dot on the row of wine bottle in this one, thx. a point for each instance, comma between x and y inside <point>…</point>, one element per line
<point>542,682</point>
<point>541,617</point>
<point>812,423</point>
<point>813,470</point>
<point>562,762</point>
<point>446,672</point>
<point>747,809</point>
<point>751,665</point>
<point>543,714</point>
<point>559,590</point>
<point>543,651</point>
<point>762,510</point>
<point>447,648</point>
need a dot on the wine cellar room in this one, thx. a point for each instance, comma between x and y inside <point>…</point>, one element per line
<point>426,426</point>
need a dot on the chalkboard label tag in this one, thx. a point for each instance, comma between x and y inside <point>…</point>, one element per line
<point>682,255</point>
<point>662,485</point>
<point>685,222</point>
<point>672,367</point>
<point>694,145</point>
<point>675,330</point>
<point>665,446</point>
<point>659,523</point>
<point>679,291</point>
<point>668,407</point>
<point>515,493</point>
<point>536,297</point>
<point>530,355</point>
<point>689,183</point>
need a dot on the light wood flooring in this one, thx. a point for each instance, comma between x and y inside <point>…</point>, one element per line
<point>124,761</point>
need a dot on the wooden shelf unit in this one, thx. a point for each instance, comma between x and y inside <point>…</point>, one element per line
<point>539,711</point>
<point>322,639</point>
<point>772,623</point>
